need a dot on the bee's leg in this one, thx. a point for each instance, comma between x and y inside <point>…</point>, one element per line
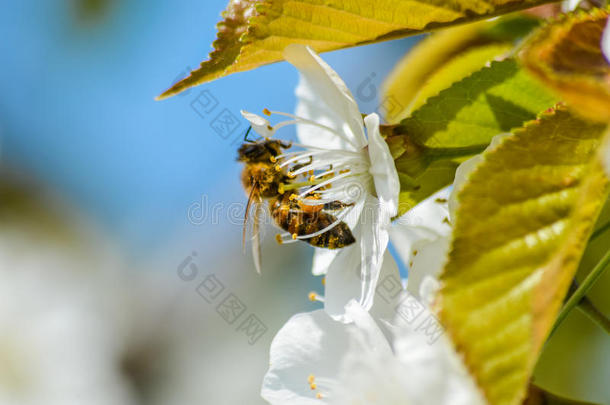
<point>248,133</point>
<point>336,206</point>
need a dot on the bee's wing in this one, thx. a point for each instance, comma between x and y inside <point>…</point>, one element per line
<point>256,240</point>
<point>253,196</point>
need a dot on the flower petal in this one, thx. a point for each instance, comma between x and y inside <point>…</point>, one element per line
<point>312,107</point>
<point>383,169</point>
<point>309,344</point>
<point>333,92</point>
<point>426,222</point>
<point>373,242</point>
<point>259,124</point>
<point>322,260</point>
<point>343,282</point>
<point>427,264</point>
<point>437,375</point>
<point>465,169</point>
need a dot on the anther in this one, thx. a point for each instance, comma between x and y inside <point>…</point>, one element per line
<point>293,197</point>
<point>311,379</point>
<point>319,396</point>
<point>280,188</point>
<point>324,281</point>
<point>294,236</point>
<point>273,159</point>
<point>278,168</point>
<point>278,239</point>
<point>312,179</point>
<point>266,112</point>
<point>313,386</point>
<point>291,175</point>
<point>313,297</point>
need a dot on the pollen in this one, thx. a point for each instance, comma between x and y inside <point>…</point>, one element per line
<point>278,239</point>
<point>294,236</point>
<point>281,189</point>
<point>312,179</point>
<point>266,112</point>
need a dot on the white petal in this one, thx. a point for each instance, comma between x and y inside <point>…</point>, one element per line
<point>311,106</point>
<point>309,344</point>
<point>427,221</point>
<point>465,169</point>
<point>428,262</point>
<point>327,84</point>
<point>259,124</point>
<point>606,41</point>
<point>343,280</point>
<point>374,242</point>
<point>436,373</point>
<point>367,328</point>
<point>570,5</point>
<point>322,260</point>
<point>383,169</point>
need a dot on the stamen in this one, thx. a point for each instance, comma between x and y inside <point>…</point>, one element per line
<point>315,124</point>
<point>313,386</point>
<point>266,112</point>
<point>285,238</point>
<point>313,297</point>
<point>273,159</point>
<point>318,396</point>
<point>324,183</point>
<point>311,379</point>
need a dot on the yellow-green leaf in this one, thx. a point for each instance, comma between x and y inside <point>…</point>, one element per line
<point>460,122</point>
<point>446,57</point>
<point>567,56</point>
<point>523,221</point>
<point>255,32</point>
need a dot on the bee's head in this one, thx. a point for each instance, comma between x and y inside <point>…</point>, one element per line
<point>261,151</point>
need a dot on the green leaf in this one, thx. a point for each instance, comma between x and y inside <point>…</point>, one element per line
<point>523,221</point>
<point>448,56</point>
<point>539,396</point>
<point>460,122</point>
<point>567,56</point>
<point>254,33</point>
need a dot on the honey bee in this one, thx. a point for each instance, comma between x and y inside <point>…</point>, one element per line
<point>263,180</point>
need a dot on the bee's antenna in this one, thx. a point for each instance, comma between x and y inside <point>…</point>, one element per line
<point>248,133</point>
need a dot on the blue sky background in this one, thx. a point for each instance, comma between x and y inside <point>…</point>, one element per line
<point>77,108</point>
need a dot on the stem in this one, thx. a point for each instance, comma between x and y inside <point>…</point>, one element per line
<point>450,153</point>
<point>599,232</point>
<point>581,291</point>
<point>595,314</point>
